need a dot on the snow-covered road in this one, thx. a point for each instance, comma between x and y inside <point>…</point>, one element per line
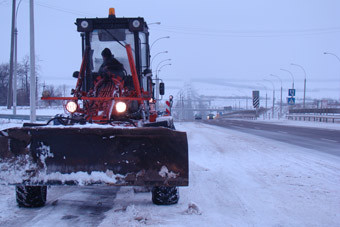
<point>236,179</point>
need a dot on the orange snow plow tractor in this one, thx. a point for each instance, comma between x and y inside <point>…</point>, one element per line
<point>111,135</point>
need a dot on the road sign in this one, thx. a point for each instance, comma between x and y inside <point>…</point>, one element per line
<point>291,92</point>
<point>291,101</point>
<point>256,99</point>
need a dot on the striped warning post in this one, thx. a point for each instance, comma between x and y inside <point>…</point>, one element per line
<point>167,108</point>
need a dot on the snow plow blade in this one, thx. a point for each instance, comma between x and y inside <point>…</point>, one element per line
<point>85,156</point>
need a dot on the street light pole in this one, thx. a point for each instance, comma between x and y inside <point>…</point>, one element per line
<point>163,52</point>
<point>158,23</point>
<point>159,70</point>
<point>165,37</point>
<point>265,115</point>
<point>280,94</point>
<point>32,65</point>
<point>290,74</point>
<point>273,96</point>
<point>11,60</point>
<point>304,83</point>
<point>157,82</point>
<point>169,59</point>
<point>333,55</point>
<point>15,66</point>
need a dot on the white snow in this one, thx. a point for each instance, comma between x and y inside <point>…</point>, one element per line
<point>308,124</point>
<point>25,110</point>
<point>164,172</point>
<point>82,178</point>
<point>236,179</point>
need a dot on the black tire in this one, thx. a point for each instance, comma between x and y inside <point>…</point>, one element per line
<point>31,196</point>
<point>165,195</point>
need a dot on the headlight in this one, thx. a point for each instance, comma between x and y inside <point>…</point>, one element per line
<point>120,107</point>
<point>71,106</point>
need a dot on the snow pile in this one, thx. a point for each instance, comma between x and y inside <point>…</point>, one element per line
<point>81,178</point>
<point>193,209</point>
<point>164,172</point>
<point>125,213</point>
<point>15,171</point>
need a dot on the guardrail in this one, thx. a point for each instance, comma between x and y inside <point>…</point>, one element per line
<point>25,117</point>
<point>316,111</point>
<point>314,117</point>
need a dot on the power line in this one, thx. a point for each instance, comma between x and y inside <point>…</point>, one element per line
<point>56,8</point>
<point>60,9</point>
<point>246,33</point>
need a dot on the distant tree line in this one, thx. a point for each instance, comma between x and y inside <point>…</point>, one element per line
<point>23,82</point>
<point>23,85</point>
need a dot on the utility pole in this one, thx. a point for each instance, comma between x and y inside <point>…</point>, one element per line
<point>273,109</point>
<point>273,103</point>
<point>280,115</point>
<point>266,104</point>
<point>304,93</point>
<point>304,83</point>
<point>32,65</point>
<point>10,79</point>
<point>15,71</point>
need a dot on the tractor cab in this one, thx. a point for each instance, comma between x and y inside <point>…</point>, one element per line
<point>115,34</point>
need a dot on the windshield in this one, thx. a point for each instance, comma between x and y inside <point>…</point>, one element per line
<point>112,39</point>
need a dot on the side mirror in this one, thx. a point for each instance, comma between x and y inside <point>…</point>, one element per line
<point>161,89</point>
<point>76,74</point>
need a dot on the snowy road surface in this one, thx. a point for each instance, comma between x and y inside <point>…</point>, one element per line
<point>320,139</point>
<point>236,179</point>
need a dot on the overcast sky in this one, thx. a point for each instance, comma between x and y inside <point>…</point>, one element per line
<point>218,40</point>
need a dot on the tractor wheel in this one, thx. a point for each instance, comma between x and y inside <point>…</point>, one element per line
<point>165,195</point>
<point>31,196</point>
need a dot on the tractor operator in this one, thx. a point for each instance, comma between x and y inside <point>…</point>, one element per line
<point>110,64</point>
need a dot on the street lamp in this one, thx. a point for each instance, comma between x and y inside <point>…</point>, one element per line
<point>304,84</point>
<point>165,37</point>
<point>157,80</point>
<point>158,23</point>
<point>280,94</point>
<point>169,59</point>
<point>12,86</point>
<point>290,74</point>
<point>273,96</point>
<point>159,70</point>
<point>33,116</point>
<point>15,67</point>
<point>333,55</point>
<point>163,52</point>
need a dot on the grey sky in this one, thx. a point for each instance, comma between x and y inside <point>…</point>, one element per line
<point>222,40</point>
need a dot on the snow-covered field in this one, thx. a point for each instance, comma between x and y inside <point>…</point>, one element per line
<point>236,179</point>
<point>310,124</point>
<point>25,110</point>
